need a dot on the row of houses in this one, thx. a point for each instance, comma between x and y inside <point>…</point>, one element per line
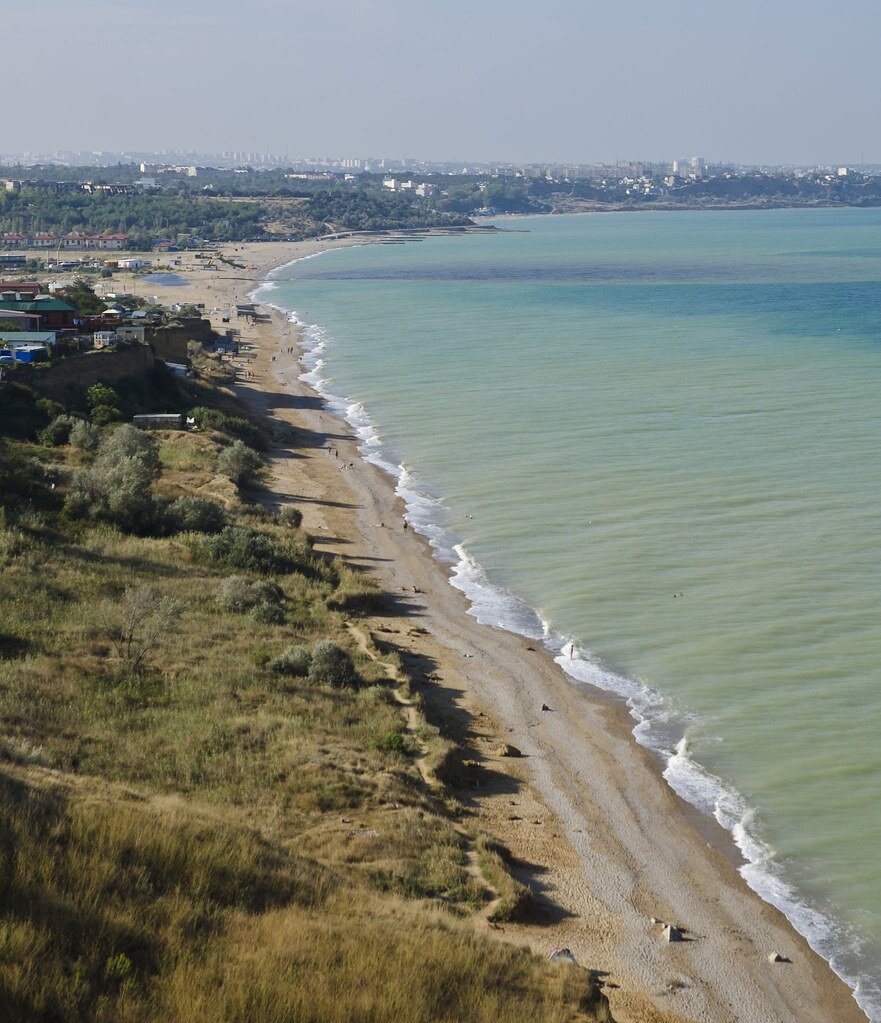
<point>73,240</point>
<point>66,187</point>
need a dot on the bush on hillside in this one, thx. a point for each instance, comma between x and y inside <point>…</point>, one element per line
<point>58,431</point>
<point>136,624</point>
<point>236,547</point>
<point>267,613</point>
<point>116,488</point>
<point>237,593</point>
<point>332,664</point>
<point>20,479</point>
<point>232,426</point>
<point>127,441</point>
<point>104,405</point>
<point>101,394</point>
<point>290,516</point>
<point>23,413</point>
<point>85,436</point>
<point>104,415</point>
<point>189,514</point>
<point>238,462</point>
<point>392,742</point>
<point>293,660</point>
<point>117,492</point>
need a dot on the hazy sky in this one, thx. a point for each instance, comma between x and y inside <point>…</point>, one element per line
<point>751,81</point>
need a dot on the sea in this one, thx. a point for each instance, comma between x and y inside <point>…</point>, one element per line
<point>652,440</point>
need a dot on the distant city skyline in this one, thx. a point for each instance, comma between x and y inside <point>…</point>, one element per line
<point>378,164</point>
<point>574,81</point>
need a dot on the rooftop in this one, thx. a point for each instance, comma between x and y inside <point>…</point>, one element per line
<point>42,304</point>
<point>27,337</point>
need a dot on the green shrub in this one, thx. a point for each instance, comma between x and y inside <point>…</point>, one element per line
<point>261,657</point>
<point>104,405</point>
<point>104,415</point>
<point>118,492</point>
<point>101,394</point>
<point>85,436</point>
<point>118,967</point>
<point>232,426</point>
<point>332,664</point>
<point>267,613</point>
<point>290,516</point>
<point>20,478</point>
<point>58,431</point>
<point>189,514</point>
<point>262,599</point>
<point>294,660</point>
<point>391,742</point>
<point>236,547</point>
<point>116,488</point>
<point>127,441</point>
<point>23,413</point>
<point>234,593</point>
<point>238,462</point>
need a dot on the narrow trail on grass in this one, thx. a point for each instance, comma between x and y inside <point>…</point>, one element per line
<point>414,723</point>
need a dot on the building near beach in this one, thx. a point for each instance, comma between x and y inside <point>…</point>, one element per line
<point>25,351</point>
<point>19,290</point>
<point>53,313</point>
<point>21,339</point>
<point>159,421</point>
<point>20,321</point>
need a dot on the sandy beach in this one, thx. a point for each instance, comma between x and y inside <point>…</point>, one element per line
<point>612,853</point>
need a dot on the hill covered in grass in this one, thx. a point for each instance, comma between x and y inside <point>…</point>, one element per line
<point>219,797</point>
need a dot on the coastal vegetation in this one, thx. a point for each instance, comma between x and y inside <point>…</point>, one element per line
<point>213,805</point>
<point>221,205</point>
<point>359,211</point>
<point>182,216</point>
<point>145,217</point>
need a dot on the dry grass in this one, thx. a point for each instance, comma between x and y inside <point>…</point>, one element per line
<point>189,453</point>
<point>356,592</point>
<point>198,838</point>
<point>514,898</point>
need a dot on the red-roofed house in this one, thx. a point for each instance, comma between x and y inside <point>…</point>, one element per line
<point>24,291</point>
<point>78,240</point>
<point>74,240</point>
<point>111,241</point>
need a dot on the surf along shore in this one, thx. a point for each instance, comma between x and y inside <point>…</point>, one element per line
<point>611,853</point>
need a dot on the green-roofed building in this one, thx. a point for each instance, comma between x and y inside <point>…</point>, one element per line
<point>54,314</point>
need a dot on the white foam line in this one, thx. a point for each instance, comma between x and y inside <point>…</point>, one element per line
<point>660,726</point>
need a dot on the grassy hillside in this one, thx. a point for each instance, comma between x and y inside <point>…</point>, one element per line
<point>216,794</point>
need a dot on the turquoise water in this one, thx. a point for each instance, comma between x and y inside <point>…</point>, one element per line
<point>661,432</point>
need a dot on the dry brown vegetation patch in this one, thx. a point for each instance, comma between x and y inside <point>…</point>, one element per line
<point>187,832</point>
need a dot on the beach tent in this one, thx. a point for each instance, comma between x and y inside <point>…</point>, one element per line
<point>563,955</point>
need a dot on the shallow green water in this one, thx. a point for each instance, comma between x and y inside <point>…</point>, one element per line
<point>637,406</point>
